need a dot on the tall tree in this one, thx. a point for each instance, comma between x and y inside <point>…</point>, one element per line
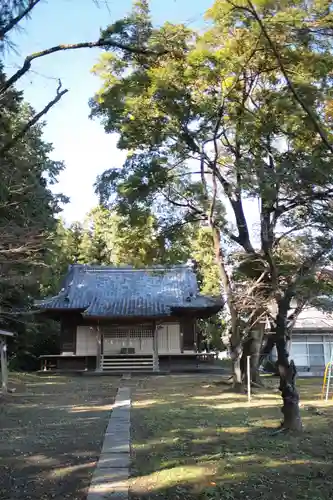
<point>202,252</point>
<point>27,217</point>
<point>75,238</point>
<point>221,100</point>
<point>13,12</point>
<point>138,239</point>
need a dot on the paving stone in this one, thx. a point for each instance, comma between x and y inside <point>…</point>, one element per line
<point>121,412</point>
<point>95,494</point>
<point>117,438</point>
<point>123,391</point>
<point>116,446</point>
<point>124,397</point>
<point>117,424</point>
<point>118,427</point>
<point>109,484</point>
<point>119,419</point>
<point>112,495</point>
<point>110,479</point>
<point>120,415</point>
<point>106,488</point>
<point>113,460</point>
<point>118,430</point>
<point>122,404</point>
<point>111,475</point>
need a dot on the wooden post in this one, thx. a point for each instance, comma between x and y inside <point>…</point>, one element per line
<point>4,369</point>
<point>248,369</point>
<point>156,367</point>
<point>195,335</point>
<point>181,336</point>
<point>99,348</point>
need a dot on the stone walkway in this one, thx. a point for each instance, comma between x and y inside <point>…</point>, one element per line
<point>110,479</point>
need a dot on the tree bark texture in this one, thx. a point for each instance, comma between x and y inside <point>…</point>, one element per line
<point>236,358</point>
<point>235,337</point>
<point>252,347</point>
<point>287,371</point>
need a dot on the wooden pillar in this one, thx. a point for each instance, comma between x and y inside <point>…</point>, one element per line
<point>195,335</point>
<point>156,367</point>
<point>181,333</point>
<point>4,368</point>
<point>99,348</point>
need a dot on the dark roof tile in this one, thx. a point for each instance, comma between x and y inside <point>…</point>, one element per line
<point>125,291</point>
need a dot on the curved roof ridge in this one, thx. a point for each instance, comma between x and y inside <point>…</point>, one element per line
<point>127,291</point>
<point>124,267</point>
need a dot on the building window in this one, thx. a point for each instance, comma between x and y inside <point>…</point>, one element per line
<point>316,355</point>
<point>299,353</point>
<point>309,351</point>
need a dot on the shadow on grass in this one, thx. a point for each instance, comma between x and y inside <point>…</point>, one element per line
<point>51,436</point>
<point>203,444</point>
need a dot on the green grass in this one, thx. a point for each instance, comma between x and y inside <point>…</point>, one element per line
<point>192,439</point>
<point>52,430</point>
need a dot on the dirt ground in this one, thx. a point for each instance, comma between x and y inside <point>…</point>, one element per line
<point>51,434</point>
<point>192,439</point>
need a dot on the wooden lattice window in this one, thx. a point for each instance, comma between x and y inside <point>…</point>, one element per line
<point>128,331</point>
<point>137,337</point>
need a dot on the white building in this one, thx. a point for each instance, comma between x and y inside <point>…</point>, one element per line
<point>312,341</point>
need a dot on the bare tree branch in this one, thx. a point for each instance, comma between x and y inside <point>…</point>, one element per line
<point>19,135</point>
<point>81,45</point>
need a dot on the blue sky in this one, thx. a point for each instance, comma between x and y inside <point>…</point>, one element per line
<point>80,142</point>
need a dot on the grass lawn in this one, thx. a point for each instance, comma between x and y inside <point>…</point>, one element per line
<point>51,434</point>
<point>192,439</point>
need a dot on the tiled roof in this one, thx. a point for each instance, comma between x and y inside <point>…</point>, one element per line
<point>125,291</point>
<point>313,319</point>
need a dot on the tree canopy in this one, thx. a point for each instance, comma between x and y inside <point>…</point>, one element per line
<point>28,210</point>
<point>235,113</point>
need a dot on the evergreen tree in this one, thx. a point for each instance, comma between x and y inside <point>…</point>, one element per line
<point>75,235</point>
<point>27,219</point>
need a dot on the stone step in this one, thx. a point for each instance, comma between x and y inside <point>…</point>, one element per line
<point>127,362</point>
<point>121,369</point>
<point>124,365</point>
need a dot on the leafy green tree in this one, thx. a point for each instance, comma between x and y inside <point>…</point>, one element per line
<point>11,13</point>
<point>224,100</point>
<point>75,238</point>
<point>27,219</point>
<point>202,252</point>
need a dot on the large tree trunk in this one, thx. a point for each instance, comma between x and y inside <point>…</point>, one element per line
<point>236,358</point>
<point>235,337</point>
<point>252,347</point>
<point>266,351</point>
<point>287,370</point>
